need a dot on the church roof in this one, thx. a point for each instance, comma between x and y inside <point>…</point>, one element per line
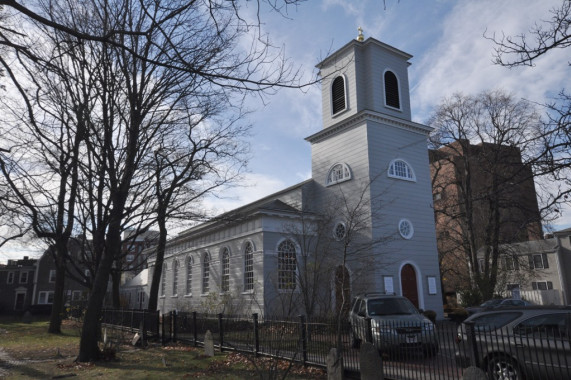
<point>139,280</point>
<point>270,203</point>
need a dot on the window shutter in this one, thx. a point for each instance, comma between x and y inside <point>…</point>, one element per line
<point>530,258</point>
<point>338,95</point>
<point>391,90</point>
<point>545,261</point>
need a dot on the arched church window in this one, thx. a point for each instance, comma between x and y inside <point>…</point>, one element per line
<point>338,95</point>
<point>189,276</point>
<point>225,283</point>
<point>392,98</point>
<point>248,267</point>
<point>164,280</point>
<point>175,278</point>
<point>287,266</point>
<point>401,169</point>
<point>338,173</point>
<point>205,273</point>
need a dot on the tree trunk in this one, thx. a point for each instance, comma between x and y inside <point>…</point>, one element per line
<point>59,296</point>
<point>156,280</point>
<point>116,283</point>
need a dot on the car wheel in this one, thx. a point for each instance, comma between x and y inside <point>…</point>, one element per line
<point>430,350</point>
<point>504,368</point>
<point>355,342</point>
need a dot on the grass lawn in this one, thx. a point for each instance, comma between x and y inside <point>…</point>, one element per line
<point>27,351</point>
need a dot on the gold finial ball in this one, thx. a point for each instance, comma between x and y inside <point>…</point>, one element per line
<point>360,37</point>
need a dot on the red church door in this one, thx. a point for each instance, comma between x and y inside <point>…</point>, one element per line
<point>409,285</point>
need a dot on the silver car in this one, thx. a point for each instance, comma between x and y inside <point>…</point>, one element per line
<point>518,343</point>
<point>395,324</point>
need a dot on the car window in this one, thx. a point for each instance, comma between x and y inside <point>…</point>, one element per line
<point>543,326</point>
<point>362,307</point>
<point>390,306</point>
<point>490,303</point>
<point>494,321</point>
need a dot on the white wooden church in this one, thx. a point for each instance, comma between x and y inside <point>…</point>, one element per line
<point>363,223</point>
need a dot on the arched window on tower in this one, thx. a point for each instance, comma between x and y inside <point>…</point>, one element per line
<point>338,95</point>
<point>402,170</point>
<point>338,173</point>
<point>392,98</point>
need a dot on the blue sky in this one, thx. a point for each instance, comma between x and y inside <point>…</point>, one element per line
<point>449,52</point>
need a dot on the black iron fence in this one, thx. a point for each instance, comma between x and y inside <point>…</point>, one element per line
<point>408,351</point>
<point>145,322</point>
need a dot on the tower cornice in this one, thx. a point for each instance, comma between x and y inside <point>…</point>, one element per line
<point>367,115</point>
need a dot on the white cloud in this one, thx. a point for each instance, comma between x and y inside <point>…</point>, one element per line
<point>461,61</point>
<point>255,187</point>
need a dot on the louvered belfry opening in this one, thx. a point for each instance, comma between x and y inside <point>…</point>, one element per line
<point>391,90</point>
<point>338,94</point>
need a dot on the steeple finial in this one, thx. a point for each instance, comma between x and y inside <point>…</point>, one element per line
<point>360,37</point>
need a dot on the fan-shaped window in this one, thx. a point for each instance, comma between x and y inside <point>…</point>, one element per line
<point>225,283</point>
<point>392,98</point>
<point>402,170</point>
<point>175,278</point>
<point>338,95</point>
<point>340,231</point>
<point>249,267</point>
<point>205,274</point>
<point>189,276</point>
<point>338,173</point>
<point>405,229</point>
<point>287,265</point>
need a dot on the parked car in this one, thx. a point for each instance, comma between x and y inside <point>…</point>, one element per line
<point>518,343</point>
<point>497,303</point>
<point>395,324</point>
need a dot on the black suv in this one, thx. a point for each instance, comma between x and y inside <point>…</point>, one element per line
<point>395,323</point>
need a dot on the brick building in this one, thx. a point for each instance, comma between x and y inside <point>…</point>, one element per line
<point>487,172</point>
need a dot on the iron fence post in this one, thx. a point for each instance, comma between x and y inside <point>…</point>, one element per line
<point>162,321</point>
<point>369,332</point>
<point>303,338</point>
<point>174,324</point>
<point>256,335</point>
<point>143,330</point>
<point>221,331</point>
<point>132,319</point>
<point>472,346</point>
<point>194,327</point>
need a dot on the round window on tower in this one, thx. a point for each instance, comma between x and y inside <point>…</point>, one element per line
<point>340,231</point>
<point>405,229</point>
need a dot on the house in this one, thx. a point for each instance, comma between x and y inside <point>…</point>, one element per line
<point>539,270</point>
<point>135,292</point>
<point>490,169</point>
<point>76,288</point>
<point>133,245</point>
<point>369,157</point>
<point>16,285</point>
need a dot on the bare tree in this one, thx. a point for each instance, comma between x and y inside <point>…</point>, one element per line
<point>153,60</point>
<point>524,50</point>
<point>483,183</point>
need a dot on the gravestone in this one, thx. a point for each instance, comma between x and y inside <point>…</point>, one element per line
<point>474,373</point>
<point>370,362</point>
<point>334,366</point>
<point>208,344</point>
